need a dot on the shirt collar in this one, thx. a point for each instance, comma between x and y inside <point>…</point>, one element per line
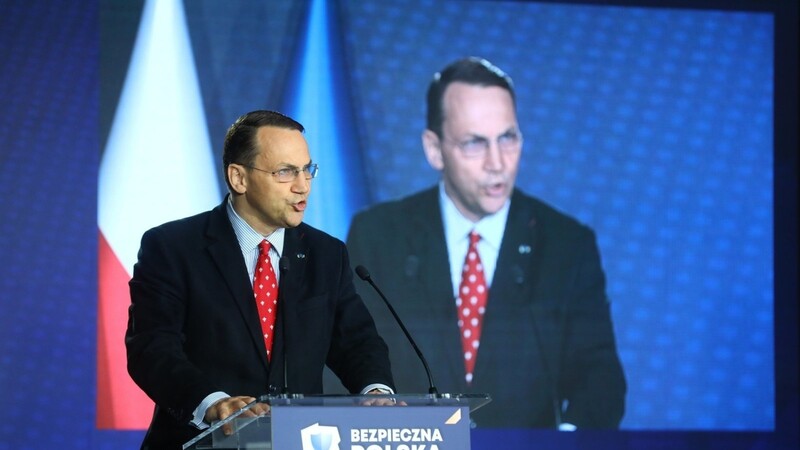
<point>457,227</point>
<point>248,237</point>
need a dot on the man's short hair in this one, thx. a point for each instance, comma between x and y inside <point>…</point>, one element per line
<point>472,70</point>
<point>240,140</point>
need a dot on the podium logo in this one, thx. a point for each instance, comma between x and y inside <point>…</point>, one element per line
<point>320,437</point>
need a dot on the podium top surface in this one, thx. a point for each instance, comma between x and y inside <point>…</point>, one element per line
<point>473,401</point>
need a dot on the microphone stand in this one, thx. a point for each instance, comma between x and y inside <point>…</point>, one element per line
<point>363,273</point>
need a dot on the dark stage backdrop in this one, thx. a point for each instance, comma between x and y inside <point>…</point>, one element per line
<point>670,127</point>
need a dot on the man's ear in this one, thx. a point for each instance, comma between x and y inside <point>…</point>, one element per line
<point>237,177</point>
<point>433,149</point>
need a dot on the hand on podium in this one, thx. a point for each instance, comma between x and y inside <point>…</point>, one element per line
<point>221,409</point>
<point>382,401</point>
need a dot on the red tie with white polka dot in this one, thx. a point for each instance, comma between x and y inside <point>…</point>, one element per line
<point>471,304</point>
<point>265,289</point>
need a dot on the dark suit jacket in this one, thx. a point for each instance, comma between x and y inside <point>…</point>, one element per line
<point>193,327</point>
<point>547,336</point>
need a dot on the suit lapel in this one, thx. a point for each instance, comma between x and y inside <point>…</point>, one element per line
<point>511,291</point>
<point>296,249</point>
<point>226,254</point>
<point>515,262</point>
<point>430,246</point>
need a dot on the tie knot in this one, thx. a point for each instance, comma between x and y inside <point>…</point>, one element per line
<point>474,237</point>
<point>263,247</point>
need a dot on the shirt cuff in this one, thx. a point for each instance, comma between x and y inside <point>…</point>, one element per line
<point>567,427</point>
<point>199,414</point>
<point>381,387</point>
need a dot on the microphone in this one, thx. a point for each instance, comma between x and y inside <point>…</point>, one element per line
<point>363,273</point>
<point>283,267</point>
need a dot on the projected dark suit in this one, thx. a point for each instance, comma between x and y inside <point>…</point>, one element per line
<point>547,335</point>
<point>194,328</point>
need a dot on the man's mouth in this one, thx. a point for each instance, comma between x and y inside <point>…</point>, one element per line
<point>495,189</point>
<point>300,206</point>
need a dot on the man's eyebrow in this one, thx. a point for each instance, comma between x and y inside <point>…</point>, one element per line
<point>511,129</point>
<point>286,165</point>
<point>475,136</point>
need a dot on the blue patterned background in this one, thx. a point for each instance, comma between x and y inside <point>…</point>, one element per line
<point>653,125</point>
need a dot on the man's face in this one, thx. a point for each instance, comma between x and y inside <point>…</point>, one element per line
<point>480,148</point>
<point>267,204</point>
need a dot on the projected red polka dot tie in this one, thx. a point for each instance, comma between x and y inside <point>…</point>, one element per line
<point>265,289</point>
<point>471,304</point>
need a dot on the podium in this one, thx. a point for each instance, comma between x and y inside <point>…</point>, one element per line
<point>347,422</point>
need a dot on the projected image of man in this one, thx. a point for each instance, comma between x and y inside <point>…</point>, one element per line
<point>505,294</point>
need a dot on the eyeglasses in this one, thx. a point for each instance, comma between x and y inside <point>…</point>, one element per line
<point>478,146</point>
<point>289,174</point>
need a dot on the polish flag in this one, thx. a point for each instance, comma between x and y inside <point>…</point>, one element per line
<point>157,166</point>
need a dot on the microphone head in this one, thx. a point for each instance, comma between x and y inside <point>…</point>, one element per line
<point>283,264</point>
<point>362,273</point>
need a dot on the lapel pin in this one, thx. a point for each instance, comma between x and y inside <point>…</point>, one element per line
<point>524,249</point>
<point>301,256</point>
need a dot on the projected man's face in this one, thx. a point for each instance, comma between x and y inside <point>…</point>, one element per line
<point>479,151</point>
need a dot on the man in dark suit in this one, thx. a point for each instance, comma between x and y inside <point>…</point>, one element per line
<point>195,339</point>
<point>541,342</point>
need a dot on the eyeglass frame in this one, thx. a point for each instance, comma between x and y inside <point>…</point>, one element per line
<point>310,170</point>
<point>486,144</point>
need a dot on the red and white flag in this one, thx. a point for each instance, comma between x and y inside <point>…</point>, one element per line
<point>157,166</point>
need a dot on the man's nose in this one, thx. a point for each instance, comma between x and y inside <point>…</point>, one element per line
<point>301,184</point>
<point>493,161</point>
